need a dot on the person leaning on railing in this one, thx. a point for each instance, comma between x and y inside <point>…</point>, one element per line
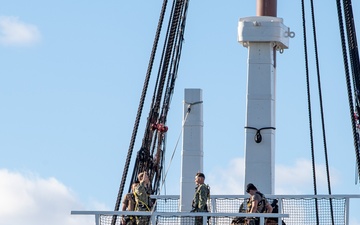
<point>257,203</point>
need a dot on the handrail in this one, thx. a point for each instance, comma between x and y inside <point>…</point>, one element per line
<point>216,214</point>
<point>267,196</point>
<point>153,215</point>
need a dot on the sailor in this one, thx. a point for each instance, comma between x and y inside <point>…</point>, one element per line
<point>142,198</point>
<point>201,196</point>
<point>129,205</point>
<point>257,203</point>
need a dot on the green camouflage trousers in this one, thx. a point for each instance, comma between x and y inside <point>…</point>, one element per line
<point>142,220</point>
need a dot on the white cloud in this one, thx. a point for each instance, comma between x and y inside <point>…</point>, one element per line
<point>17,33</point>
<point>229,180</point>
<point>29,199</point>
<point>354,221</point>
<point>35,200</point>
<point>296,179</point>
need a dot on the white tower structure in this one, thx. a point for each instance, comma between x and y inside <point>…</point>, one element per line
<point>262,35</point>
<point>192,152</point>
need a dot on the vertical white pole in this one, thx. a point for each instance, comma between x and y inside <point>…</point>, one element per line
<point>192,152</point>
<point>259,157</point>
<point>262,35</point>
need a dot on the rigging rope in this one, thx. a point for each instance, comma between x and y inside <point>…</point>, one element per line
<point>321,107</point>
<point>347,77</point>
<point>154,167</point>
<point>309,108</point>
<point>150,156</point>
<point>140,108</point>
<point>177,142</point>
<point>141,104</point>
<point>355,68</point>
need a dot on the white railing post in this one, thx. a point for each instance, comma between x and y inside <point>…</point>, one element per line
<point>97,219</point>
<point>153,219</point>
<point>280,209</point>
<point>262,220</point>
<point>347,203</point>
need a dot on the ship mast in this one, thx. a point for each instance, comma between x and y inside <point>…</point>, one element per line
<point>262,35</point>
<point>266,8</point>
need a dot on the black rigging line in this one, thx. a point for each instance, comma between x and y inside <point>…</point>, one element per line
<point>321,109</point>
<point>150,157</point>
<point>309,108</point>
<point>348,80</point>
<point>154,166</point>
<point>141,104</point>
<point>173,68</point>
<point>355,68</point>
<point>320,96</point>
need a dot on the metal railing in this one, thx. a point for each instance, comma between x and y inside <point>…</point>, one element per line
<point>154,216</point>
<point>293,209</point>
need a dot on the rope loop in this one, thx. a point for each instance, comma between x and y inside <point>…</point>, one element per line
<point>258,137</point>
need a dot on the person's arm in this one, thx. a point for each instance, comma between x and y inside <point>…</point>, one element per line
<point>125,204</point>
<point>124,207</point>
<point>254,205</point>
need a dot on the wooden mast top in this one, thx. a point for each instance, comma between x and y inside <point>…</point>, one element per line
<point>266,8</point>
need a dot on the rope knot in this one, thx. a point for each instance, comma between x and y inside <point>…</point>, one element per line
<point>258,137</point>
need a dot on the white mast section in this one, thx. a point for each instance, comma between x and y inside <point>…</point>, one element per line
<point>192,152</point>
<point>262,35</point>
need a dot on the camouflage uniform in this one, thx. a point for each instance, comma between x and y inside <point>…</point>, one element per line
<point>129,204</point>
<point>199,203</point>
<point>261,206</point>
<point>142,203</point>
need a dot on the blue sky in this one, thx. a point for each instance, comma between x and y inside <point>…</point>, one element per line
<point>71,76</point>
